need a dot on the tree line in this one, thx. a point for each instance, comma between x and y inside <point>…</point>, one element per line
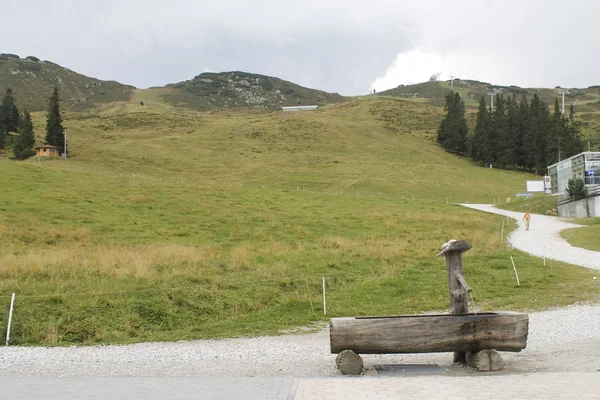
<point>514,134</point>
<point>11,120</point>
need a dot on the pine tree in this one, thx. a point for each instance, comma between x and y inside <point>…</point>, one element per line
<point>500,142</point>
<point>576,189</point>
<point>563,140</point>
<point>510,154</point>
<point>554,152</point>
<point>535,138</point>
<point>55,133</point>
<point>479,145</point>
<point>520,130</point>
<point>23,147</point>
<point>453,131</point>
<point>10,118</point>
<point>2,131</point>
<point>572,139</point>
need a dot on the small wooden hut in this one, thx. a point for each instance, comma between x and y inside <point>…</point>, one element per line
<point>47,151</point>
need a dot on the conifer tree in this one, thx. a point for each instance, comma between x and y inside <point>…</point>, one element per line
<point>535,138</point>
<point>555,146</point>
<point>55,133</point>
<point>572,134</point>
<point>23,147</point>
<point>576,189</point>
<point>509,154</point>
<point>524,135</point>
<point>10,118</point>
<point>563,140</point>
<point>453,130</point>
<point>500,142</point>
<point>520,130</point>
<point>479,143</point>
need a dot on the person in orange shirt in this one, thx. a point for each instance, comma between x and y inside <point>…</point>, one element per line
<point>527,219</point>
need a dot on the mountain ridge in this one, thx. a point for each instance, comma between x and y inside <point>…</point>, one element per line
<point>231,89</point>
<point>434,91</point>
<point>32,81</point>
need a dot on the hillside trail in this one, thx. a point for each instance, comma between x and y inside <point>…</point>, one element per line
<point>152,98</point>
<point>543,237</point>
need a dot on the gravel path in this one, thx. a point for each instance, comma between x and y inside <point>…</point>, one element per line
<point>553,345</point>
<point>566,339</point>
<point>543,238</point>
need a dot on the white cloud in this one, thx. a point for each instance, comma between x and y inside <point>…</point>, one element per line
<point>531,44</point>
<point>419,65</point>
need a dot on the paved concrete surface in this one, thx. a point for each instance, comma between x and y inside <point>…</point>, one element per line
<point>537,386</point>
<point>506,387</point>
<point>136,388</point>
<point>543,237</point>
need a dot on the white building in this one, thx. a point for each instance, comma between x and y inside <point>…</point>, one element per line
<point>584,166</point>
<point>300,108</point>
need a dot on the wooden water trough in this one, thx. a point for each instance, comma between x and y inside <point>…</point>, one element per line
<point>474,338</point>
<point>503,331</point>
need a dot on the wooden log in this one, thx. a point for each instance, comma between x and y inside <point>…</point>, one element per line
<point>504,331</point>
<point>485,360</point>
<point>457,285</point>
<point>349,363</point>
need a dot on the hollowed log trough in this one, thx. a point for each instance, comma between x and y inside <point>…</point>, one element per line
<point>503,331</point>
<point>470,332</point>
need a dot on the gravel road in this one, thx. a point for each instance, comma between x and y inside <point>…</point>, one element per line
<point>543,237</point>
<point>566,339</point>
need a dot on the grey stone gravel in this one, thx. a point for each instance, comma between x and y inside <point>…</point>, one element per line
<point>566,339</point>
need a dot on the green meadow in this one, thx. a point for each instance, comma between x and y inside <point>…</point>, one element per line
<point>169,224</point>
<point>587,237</point>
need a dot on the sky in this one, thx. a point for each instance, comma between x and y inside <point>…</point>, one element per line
<point>345,46</point>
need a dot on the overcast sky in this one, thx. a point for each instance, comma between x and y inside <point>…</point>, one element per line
<point>344,46</point>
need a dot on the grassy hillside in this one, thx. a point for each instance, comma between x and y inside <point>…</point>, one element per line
<point>32,82</point>
<point>242,89</point>
<point>588,237</point>
<point>170,224</point>
<point>586,101</point>
<point>538,204</point>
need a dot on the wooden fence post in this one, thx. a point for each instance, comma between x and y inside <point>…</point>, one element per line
<point>457,286</point>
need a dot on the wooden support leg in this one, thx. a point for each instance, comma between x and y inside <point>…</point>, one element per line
<point>457,285</point>
<point>349,363</point>
<point>485,360</point>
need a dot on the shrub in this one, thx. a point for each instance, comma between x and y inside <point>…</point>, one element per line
<point>28,66</point>
<point>576,189</point>
<point>32,58</point>
<point>266,84</point>
<point>9,55</point>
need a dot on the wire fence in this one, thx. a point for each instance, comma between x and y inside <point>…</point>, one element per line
<point>225,298</point>
<point>311,291</point>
